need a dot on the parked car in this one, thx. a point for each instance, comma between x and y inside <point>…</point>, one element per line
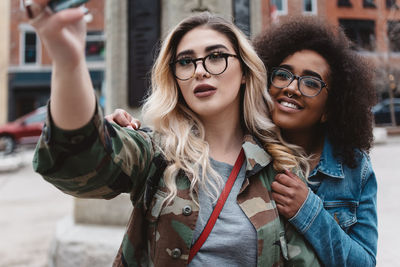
<point>24,130</point>
<point>381,112</point>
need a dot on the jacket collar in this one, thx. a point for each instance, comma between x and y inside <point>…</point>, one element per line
<point>257,158</point>
<point>328,163</point>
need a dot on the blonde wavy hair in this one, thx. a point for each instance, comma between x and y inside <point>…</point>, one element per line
<point>183,134</point>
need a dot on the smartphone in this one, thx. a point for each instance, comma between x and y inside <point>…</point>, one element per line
<point>58,5</point>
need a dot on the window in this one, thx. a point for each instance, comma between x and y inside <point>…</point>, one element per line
<point>95,46</point>
<point>393,33</point>
<point>39,117</point>
<point>21,5</point>
<point>391,4</point>
<point>280,6</point>
<point>369,3</point>
<point>344,3</point>
<point>29,48</point>
<point>310,6</point>
<point>361,32</point>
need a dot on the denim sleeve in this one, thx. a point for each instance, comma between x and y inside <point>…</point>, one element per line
<point>333,245</point>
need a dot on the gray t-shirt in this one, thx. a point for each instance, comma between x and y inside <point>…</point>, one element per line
<point>233,240</point>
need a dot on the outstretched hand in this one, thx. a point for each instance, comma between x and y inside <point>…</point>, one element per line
<point>63,33</point>
<point>289,193</point>
<point>123,118</point>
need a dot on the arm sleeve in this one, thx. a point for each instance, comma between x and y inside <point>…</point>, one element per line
<point>99,160</point>
<point>333,245</point>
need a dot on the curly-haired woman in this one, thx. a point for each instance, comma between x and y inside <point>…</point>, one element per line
<point>323,94</point>
<point>206,107</point>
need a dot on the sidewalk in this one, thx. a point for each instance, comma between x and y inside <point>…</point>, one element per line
<point>14,161</point>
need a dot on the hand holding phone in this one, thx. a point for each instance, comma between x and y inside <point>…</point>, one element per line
<point>58,5</point>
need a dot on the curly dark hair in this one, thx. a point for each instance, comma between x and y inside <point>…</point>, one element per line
<point>351,93</point>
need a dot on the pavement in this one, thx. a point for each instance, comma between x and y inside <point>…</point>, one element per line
<point>30,208</point>
<point>386,163</point>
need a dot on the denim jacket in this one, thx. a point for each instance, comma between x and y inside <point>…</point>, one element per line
<point>339,216</point>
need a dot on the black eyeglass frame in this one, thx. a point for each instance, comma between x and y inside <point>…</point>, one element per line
<point>298,78</point>
<point>203,59</point>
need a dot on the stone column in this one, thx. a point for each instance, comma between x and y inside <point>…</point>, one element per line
<point>4,57</point>
<point>256,17</point>
<point>116,30</point>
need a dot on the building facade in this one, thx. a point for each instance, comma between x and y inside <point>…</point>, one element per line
<point>29,68</point>
<point>372,25</point>
<point>374,28</point>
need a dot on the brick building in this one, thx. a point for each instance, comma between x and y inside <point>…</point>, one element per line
<point>30,66</point>
<point>372,25</point>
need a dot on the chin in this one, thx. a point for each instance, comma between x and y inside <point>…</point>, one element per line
<point>284,124</point>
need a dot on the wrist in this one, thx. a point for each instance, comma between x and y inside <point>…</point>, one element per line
<point>307,213</point>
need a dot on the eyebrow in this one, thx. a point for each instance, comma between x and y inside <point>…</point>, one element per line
<point>305,72</point>
<point>207,49</point>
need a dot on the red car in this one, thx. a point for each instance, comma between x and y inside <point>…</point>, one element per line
<point>24,130</point>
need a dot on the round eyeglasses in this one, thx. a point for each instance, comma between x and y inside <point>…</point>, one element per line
<point>214,63</point>
<point>308,85</point>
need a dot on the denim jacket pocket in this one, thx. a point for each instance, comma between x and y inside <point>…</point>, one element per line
<point>344,212</point>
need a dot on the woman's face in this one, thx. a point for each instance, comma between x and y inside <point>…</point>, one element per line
<point>294,111</point>
<point>208,94</point>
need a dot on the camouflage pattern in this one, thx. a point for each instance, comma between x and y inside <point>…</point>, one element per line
<point>102,160</point>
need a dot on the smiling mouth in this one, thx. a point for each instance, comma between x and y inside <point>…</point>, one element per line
<point>289,105</point>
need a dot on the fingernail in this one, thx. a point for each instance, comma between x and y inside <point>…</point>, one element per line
<point>136,125</point>
<point>84,10</point>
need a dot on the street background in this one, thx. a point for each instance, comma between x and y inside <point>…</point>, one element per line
<point>30,208</point>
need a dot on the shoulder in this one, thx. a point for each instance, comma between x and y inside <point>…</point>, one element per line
<point>363,171</point>
<point>367,172</point>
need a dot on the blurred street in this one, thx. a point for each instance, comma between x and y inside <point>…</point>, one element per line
<point>30,209</point>
<point>386,162</point>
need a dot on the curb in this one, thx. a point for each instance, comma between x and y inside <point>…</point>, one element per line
<point>14,162</point>
<point>393,130</point>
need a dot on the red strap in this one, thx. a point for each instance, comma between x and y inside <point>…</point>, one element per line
<point>218,207</point>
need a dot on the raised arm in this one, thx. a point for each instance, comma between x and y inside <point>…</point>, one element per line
<point>63,35</point>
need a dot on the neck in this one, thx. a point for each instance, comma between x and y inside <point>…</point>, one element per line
<point>312,141</point>
<point>224,136</point>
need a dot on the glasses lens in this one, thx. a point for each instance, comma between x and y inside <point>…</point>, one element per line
<point>216,63</point>
<point>184,68</point>
<point>281,78</point>
<point>310,86</point>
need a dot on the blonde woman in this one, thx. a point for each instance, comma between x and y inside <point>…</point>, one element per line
<point>206,107</point>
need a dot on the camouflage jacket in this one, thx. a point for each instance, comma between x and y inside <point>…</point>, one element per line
<point>102,160</point>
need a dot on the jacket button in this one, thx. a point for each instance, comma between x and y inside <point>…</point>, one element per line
<point>187,210</point>
<point>176,253</point>
<point>46,133</point>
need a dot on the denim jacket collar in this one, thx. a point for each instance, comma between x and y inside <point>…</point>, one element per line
<point>328,163</point>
